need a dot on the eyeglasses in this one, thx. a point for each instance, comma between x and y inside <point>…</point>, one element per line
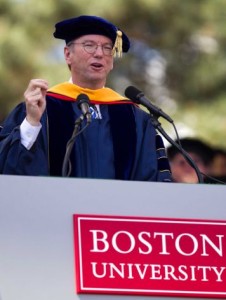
<point>91,47</point>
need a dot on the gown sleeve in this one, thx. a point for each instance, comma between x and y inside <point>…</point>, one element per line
<point>15,159</point>
<point>151,162</point>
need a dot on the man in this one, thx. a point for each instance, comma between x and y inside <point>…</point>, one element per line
<point>200,153</point>
<point>119,143</point>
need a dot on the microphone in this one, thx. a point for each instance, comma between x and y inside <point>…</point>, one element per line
<point>83,104</point>
<point>138,97</point>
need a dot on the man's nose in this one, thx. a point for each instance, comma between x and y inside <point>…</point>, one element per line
<point>99,50</point>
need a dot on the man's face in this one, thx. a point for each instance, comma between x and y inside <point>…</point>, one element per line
<point>90,69</point>
<point>183,172</point>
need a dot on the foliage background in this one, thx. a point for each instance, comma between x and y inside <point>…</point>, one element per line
<point>177,58</point>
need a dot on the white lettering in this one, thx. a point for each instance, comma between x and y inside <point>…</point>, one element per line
<point>185,244</point>
<point>156,272</point>
<point>163,242</point>
<point>204,272</point>
<point>120,271</point>
<point>169,272</point>
<point>99,237</point>
<point>149,246</point>
<point>219,273</point>
<point>182,270</point>
<point>193,278</point>
<point>218,249</point>
<point>178,244</point>
<point>140,272</point>
<point>94,270</point>
<point>130,271</point>
<point>131,238</point>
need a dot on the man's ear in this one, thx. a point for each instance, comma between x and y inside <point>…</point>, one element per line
<point>67,55</point>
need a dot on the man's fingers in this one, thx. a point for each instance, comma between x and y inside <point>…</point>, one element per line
<point>37,85</point>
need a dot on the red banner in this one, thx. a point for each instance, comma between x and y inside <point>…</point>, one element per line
<point>150,256</point>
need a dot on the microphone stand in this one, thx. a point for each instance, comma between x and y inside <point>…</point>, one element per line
<point>157,125</point>
<point>66,169</point>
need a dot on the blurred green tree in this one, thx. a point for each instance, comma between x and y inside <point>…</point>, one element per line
<point>177,57</point>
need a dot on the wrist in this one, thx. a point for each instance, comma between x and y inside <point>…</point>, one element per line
<point>32,121</point>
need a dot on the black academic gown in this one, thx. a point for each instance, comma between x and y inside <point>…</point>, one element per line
<point>122,145</point>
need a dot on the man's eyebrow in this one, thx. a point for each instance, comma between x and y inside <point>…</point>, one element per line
<point>88,41</point>
<point>91,41</point>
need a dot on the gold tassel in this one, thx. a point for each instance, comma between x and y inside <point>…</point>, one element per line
<point>117,49</point>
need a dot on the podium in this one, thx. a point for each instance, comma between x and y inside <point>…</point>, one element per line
<point>36,226</point>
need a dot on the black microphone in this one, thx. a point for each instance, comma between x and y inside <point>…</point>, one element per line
<point>84,105</point>
<point>138,97</point>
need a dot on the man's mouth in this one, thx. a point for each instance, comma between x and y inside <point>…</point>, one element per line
<point>97,65</point>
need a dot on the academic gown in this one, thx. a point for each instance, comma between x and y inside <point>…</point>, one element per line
<point>123,144</point>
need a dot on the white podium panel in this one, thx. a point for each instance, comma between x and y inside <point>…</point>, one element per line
<point>36,226</point>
